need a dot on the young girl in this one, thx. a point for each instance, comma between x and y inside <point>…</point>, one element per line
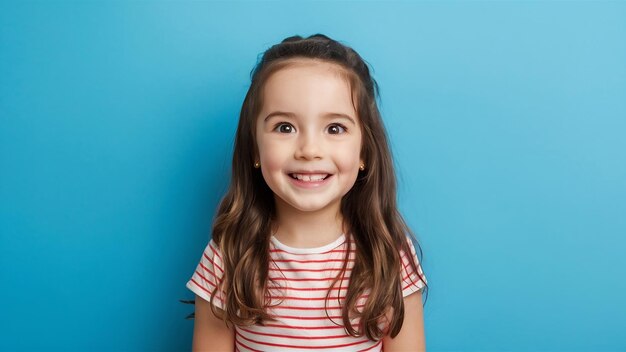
<point>309,251</point>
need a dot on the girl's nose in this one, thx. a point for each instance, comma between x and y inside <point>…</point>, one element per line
<point>309,147</point>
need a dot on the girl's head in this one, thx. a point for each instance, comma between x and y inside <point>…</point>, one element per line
<point>293,86</point>
<point>308,138</point>
<point>323,91</point>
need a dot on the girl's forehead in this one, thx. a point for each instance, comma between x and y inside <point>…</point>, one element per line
<point>312,62</point>
<point>307,76</point>
<point>309,96</point>
<point>310,66</point>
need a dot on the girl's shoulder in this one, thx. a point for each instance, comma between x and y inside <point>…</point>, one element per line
<point>212,249</point>
<point>410,243</point>
<point>412,280</point>
<point>208,274</point>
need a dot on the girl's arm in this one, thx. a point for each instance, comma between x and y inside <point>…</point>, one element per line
<point>209,332</point>
<point>411,336</point>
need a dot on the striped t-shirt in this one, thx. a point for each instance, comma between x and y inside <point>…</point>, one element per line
<point>299,280</point>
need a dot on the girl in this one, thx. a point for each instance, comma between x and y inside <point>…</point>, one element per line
<point>309,250</point>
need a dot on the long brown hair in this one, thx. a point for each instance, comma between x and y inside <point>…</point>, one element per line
<point>244,219</point>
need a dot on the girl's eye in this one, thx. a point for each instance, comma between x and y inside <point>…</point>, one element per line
<point>336,129</point>
<point>284,127</point>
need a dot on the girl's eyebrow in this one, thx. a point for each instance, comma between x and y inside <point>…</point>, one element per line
<point>327,115</point>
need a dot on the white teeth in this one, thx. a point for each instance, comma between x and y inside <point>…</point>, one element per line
<point>310,177</point>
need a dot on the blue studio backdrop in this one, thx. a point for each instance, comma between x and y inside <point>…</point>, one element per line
<point>507,124</point>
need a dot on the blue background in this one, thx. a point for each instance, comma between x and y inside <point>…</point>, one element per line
<point>507,120</point>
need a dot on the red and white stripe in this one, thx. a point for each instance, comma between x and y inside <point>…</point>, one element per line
<point>299,282</point>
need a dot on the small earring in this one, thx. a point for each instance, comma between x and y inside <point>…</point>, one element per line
<point>257,164</point>
<point>362,167</point>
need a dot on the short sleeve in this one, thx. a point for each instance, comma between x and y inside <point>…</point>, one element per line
<point>208,274</point>
<point>411,282</point>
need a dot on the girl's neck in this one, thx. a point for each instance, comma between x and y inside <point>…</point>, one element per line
<point>307,229</point>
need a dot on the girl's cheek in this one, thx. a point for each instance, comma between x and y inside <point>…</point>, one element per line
<point>348,159</point>
<point>273,160</point>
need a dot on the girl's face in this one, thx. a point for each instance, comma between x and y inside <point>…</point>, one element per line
<point>308,136</point>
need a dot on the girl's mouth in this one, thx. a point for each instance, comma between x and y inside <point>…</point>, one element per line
<point>309,177</point>
<point>309,180</point>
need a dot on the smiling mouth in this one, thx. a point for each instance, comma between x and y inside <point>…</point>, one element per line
<point>309,177</point>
